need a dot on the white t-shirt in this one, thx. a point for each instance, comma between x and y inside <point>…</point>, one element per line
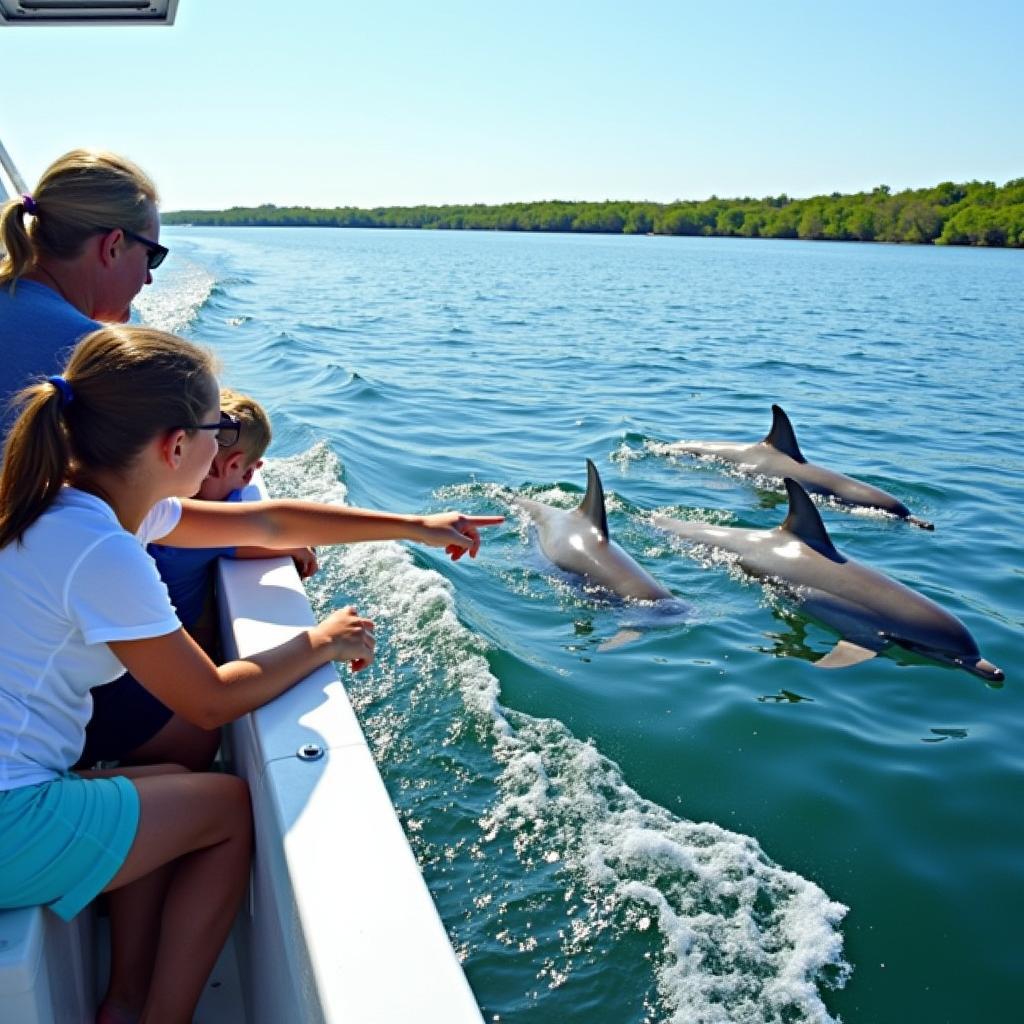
<point>77,581</point>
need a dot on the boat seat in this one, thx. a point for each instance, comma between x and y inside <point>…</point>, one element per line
<point>46,967</point>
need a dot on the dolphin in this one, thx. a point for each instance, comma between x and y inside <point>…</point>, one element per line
<point>578,542</point>
<point>779,455</point>
<point>868,610</point>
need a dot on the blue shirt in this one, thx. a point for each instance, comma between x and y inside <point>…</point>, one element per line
<point>38,329</point>
<point>188,573</point>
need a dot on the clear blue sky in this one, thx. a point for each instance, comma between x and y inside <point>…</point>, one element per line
<point>350,102</point>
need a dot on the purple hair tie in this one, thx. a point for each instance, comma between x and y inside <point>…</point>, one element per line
<point>30,203</point>
<point>67,396</point>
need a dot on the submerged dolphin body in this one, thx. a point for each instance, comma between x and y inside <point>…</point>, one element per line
<point>868,610</point>
<point>779,455</point>
<point>578,542</point>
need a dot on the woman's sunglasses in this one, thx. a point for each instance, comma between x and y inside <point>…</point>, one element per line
<point>155,252</point>
<point>229,429</point>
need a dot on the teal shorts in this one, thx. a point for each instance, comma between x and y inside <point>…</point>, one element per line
<point>63,841</point>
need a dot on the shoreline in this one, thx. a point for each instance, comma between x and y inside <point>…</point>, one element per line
<point>167,221</point>
<point>975,213</point>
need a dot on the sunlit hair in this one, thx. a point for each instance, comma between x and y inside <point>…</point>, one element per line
<point>129,384</point>
<point>254,438</point>
<point>79,194</point>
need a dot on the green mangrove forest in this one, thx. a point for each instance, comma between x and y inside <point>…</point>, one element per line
<point>975,213</point>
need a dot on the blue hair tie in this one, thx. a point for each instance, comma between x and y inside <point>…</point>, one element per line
<point>67,396</point>
<point>30,204</point>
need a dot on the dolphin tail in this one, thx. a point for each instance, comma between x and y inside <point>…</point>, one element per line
<point>845,653</point>
<point>592,505</point>
<point>782,437</point>
<point>804,521</point>
<point>923,523</point>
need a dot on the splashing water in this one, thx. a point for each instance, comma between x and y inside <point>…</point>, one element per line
<point>174,306</point>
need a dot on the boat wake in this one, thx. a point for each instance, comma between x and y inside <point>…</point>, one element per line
<point>541,857</point>
<point>176,298</point>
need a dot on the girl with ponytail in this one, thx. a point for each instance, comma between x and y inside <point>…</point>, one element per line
<point>95,467</point>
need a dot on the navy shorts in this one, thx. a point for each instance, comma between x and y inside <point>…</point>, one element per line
<point>124,716</point>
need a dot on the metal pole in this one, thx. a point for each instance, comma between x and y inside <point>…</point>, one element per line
<point>12,173</point>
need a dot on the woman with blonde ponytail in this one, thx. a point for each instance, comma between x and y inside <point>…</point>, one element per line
<point>73,253</point>
<point>96,467</point>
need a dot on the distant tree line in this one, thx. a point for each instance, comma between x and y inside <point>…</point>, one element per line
<point>975,213</point>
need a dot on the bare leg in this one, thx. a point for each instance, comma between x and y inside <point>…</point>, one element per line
<point>196,832</point>
<point>178,742</point>
<point>135,912</point>
<point>133,909</point>
<point>107,1014</point>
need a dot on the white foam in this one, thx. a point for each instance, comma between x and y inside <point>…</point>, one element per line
<point>173,301</point>
<point>742,936</point>
<point>626,454</point>
<point>741,939</point>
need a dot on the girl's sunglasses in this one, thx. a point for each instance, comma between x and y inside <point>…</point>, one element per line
<point>229,429</point>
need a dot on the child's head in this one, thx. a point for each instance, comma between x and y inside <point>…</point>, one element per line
<point>233,467</point>
<point>123,388</point>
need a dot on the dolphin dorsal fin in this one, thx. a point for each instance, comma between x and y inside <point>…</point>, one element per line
<point>782,436</point>
<point>804,521</point>
<point>592,505</point>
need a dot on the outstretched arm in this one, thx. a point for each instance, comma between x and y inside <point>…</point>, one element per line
<point>177,671</point>
<point>289,524</point>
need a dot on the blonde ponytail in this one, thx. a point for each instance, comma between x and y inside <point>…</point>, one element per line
<point>122,387</point>
<point>36,459</point>
<point>16,256</point>
<point>81,193</point>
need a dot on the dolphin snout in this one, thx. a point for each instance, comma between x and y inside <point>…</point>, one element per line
<point>987,670</point>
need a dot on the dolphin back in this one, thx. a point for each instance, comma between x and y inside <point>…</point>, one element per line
<point>819,480</point>
<point>779,455</point>
<point>868,609</point>
<point>577,541</point>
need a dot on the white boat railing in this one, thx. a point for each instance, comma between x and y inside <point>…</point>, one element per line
<point>340,925</point>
